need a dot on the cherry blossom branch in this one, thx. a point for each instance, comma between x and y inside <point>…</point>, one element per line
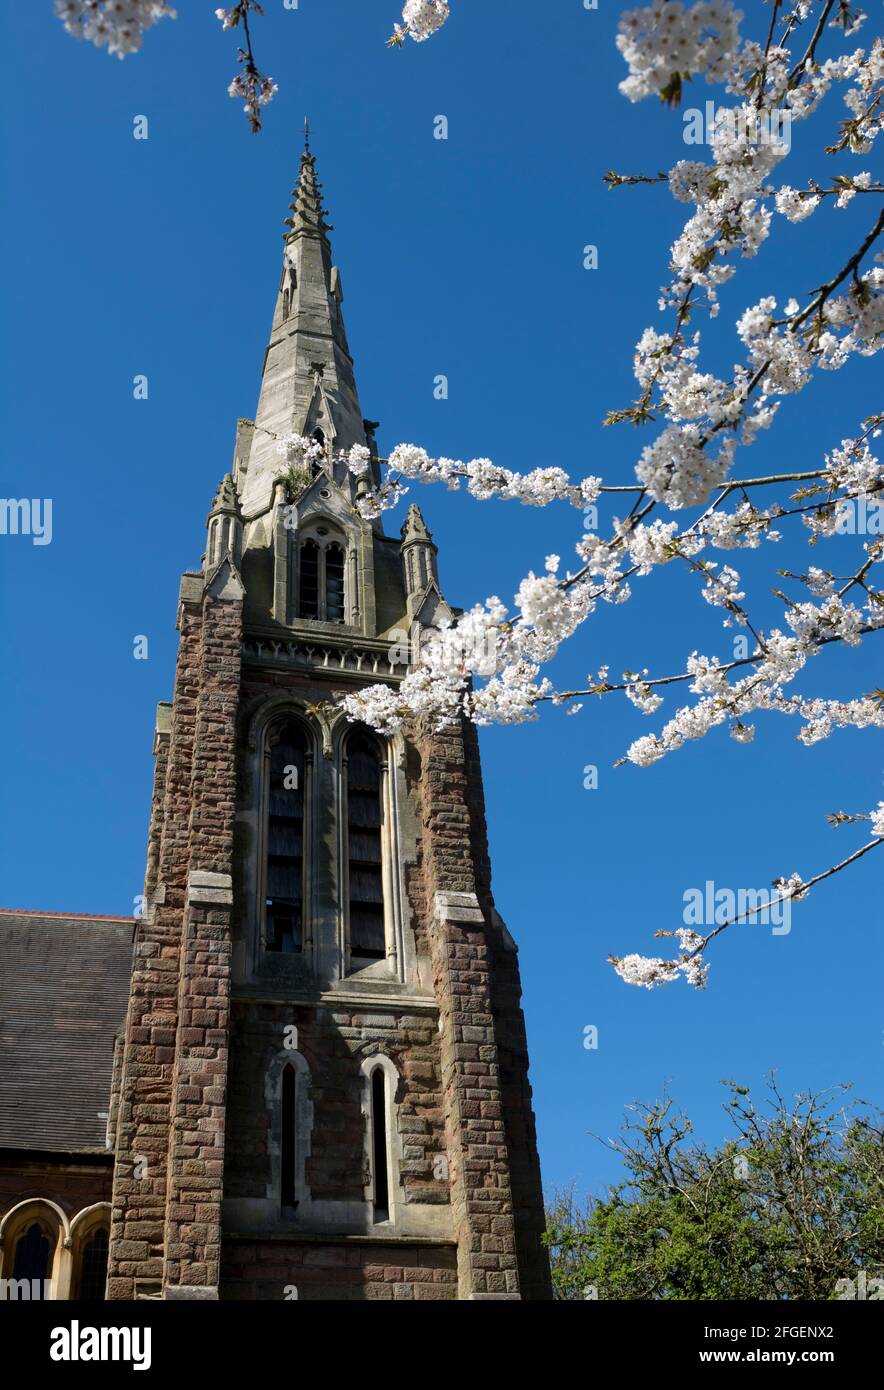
<point>650,972</point>
<point>824,292</point>
<point>785,897</point>
<point>800,68</point>
<point>252,85</point>
<point>735,484</point>
<point>652,682</point>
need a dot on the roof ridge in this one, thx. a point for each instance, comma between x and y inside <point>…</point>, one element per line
<point>84,916</point>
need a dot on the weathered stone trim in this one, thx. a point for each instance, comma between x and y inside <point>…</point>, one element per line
<point>190,1292</point>
<point>206,887</point>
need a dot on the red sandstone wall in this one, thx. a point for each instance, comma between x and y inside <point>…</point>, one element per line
<point>369,1272</point>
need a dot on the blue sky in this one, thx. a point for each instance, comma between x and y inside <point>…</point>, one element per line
<point>461,257</point>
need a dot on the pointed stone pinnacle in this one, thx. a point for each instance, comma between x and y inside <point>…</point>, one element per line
<point>226,498</point>
<point>414,527</point>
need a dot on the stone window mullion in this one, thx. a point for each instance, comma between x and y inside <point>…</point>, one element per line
<point>387,862</point>
<point>323,597</point>
<point>344,869</point>
<point>308,873</point>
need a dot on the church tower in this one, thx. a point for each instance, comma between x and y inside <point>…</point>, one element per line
<point>321,1090</point>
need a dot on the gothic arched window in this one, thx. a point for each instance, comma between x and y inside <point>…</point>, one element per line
<point>93,1267</point>
<point>322,570</point>
<point>383,1148</point>
<point>32,1258</point>
<point>365,876</point>
<point>290,1121</point>
<point>284,843</point>
<point>288,1138</point>
<point>380,1146</point>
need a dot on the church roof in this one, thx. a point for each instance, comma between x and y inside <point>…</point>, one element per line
<point>64,984</point>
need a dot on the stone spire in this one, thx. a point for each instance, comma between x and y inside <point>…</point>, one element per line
<point>307,385</point>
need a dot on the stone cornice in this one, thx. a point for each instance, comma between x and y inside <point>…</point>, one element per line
<point>351,659</point>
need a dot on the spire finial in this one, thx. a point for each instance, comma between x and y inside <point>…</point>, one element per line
<point>307,215</point>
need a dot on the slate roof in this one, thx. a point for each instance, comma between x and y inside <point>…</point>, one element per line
<point>64,982</point>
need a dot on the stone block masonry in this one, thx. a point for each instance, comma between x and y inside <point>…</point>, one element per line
<point>352,1270</point>
<point>484,1056</point>
<point>171,1081</point>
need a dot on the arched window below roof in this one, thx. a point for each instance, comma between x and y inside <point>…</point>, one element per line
<point>33,1252</point>
<point>92,1274</point>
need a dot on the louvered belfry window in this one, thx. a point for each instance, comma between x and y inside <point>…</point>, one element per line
<point>334,584</point>
<point>309,580</point>
<point>364,848</point>
<point>322,567</point>
<point>284,902</point>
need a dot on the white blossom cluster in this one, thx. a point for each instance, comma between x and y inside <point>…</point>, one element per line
<point>253,89</point>
<point>856,471</point>
<point>795,204</point>
<point>791,887</point>
<point>358,460</point>
<point>666,39</point>
<point>722,589</point>
<point>742,733</point>
<point>651,971</point>
<point>640,694</point>
<point>779,663</point>
<point>823,717</point>
<point>421,19</point>
<point>733,214</point>
<point>440,690</point>
<point>848,323</point>
<point>485,479</point>
<point>877,818</point>
<point>851,186</point>
<point>376,501</point>
<point>117,25</point>
<point>677,470</point>
<point>686,393</point>
<point>485,642</point>
<point>299,450</point>
<point>652,545</point>
<point>863,100</point>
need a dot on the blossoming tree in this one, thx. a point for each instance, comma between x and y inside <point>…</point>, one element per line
<point>693,494</point>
